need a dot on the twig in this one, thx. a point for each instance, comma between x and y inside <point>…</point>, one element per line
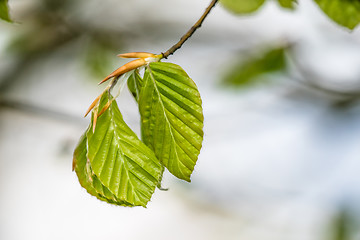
<point>190,32</point>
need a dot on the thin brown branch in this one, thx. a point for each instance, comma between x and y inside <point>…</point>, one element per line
<point>191,31</point>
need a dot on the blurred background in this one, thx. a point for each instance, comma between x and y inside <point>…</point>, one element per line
<point>280,90</point>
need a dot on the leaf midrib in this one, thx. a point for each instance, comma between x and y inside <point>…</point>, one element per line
<point>167,119</point>
<point>115,125</point>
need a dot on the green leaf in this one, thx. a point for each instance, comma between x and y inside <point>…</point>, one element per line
<point>344,12</point>
<point>86,177</point>
<point>245,73</point>
<point>81,168</point>
<point>289,4</point>
<point>242,6</point>
<point>134,83</point>
<point>171,117</point>
<point>122,169</point>
<point>4,11</point>
<point>105,194</point>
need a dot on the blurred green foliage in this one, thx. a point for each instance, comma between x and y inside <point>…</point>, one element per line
<point>99,55</point>
<point>48,26</point>
<point>4,11</point>
<point>242,6</point>
<point>290,4</point>
<point>251,6</point>
<point>250,71</point>
<point>342,223</point>
<point>344,12</point>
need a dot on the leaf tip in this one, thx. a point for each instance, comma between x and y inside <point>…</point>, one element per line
<point>163,189</point>
<point>185,178</point>
<point>105,79</point>
<point>126,68</point>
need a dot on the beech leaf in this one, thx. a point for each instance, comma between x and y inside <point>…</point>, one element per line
<point>88,179</point>
<point>171,117</point>
<point>134,83</point>
<point>113,164</point>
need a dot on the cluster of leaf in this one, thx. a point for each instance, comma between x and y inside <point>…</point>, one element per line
<point>343,12</point>
<point>114,165</point>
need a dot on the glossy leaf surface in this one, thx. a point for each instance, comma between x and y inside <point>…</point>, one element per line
<point>242,6</point>
<point>81,168</point>
<point>344,12</point>
<point>88,179</point>
<point>114,165</point>
<point>171,117</point>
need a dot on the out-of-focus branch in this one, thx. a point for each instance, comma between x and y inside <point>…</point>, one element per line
<point>40,111</point>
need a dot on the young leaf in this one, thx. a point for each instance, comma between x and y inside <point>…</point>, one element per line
<point>242,6</point>
<point>80,166</point>
<point>344,12</point>
<point>87,178</point>
<point>121,163</point>
<point>4,11</point>
<point>134,83</point>
<point>289,4</point>
<point>246,73</point>
<point>106,195</point>
<point>171,117</point>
